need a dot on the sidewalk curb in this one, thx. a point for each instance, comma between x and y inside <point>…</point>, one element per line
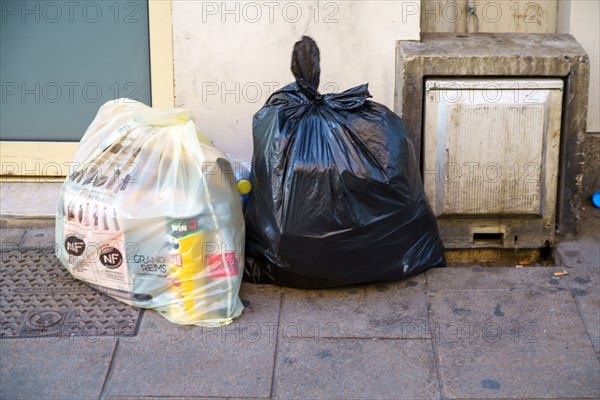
<point>26,221</point>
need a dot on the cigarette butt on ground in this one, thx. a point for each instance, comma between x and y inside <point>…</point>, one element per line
<point>560,273</point>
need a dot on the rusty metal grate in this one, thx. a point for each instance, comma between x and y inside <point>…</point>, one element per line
<point>39,298</point>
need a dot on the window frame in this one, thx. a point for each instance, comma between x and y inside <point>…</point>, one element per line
<point>48,161</point>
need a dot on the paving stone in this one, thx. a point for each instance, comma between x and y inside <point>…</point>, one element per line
<point>585,287</point>
<point>30,199</point>
<point>171,360</point>
<point>54,368</point>
<point>187,398</point>
<point>355,369</point>
<point>528,343</point>
<point>581,253</point>
<point>492,278</point>
<point>380,310</point>
<point>582,260</point>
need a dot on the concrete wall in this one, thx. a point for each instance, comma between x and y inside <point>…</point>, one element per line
<point>230,56</point>
<point>580,19</point>
<point>577,17</point>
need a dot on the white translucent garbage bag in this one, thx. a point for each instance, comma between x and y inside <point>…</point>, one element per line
<point>150,215</point>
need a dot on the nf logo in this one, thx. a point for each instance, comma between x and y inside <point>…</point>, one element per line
<point>43,323</point>
<point>44,319</point>
<point>111,257</point>
<point>74,245</point>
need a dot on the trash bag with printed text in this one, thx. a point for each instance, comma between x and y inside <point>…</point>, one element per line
<point>337,198</point>
<point>151,216</point>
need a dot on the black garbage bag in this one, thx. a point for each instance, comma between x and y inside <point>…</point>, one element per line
<point>337,196</point>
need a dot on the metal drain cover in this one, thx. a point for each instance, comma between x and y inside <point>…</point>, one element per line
<point>39,298</point>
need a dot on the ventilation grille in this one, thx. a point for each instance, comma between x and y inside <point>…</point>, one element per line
<point>494,153</point>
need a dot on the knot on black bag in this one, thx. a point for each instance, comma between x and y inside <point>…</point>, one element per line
<point>307,70</point>
<point>306,66</point>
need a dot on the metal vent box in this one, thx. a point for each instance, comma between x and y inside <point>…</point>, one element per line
<point>490,160</point>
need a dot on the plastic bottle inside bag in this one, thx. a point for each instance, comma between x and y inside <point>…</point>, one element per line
<point>242,172</point>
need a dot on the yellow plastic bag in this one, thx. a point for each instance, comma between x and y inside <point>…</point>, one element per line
<point>150,215</point>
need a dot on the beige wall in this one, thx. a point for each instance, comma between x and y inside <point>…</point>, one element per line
<point>525,16</point>
<point>580,19</point>
<point>230,56</point>
<point>228,61</point>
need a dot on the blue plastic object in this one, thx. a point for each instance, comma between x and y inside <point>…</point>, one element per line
<point>596,198</point>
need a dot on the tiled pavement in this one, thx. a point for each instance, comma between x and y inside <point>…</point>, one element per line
<point>472,332</point>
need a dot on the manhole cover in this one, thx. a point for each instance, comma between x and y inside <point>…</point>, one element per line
<point>39,298</point>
